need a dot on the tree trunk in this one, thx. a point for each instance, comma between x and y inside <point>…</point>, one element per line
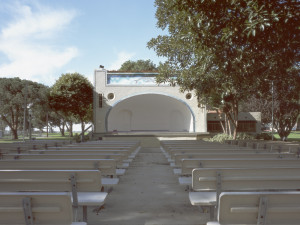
<point>62,128</point>
<point>221,123</point>
<point>82,131</point>
<point>232,118</point>
<point>71,128</point>
<point>226,124</point>
<point>12,125</point>
<point>235,120</point>
<point>14,133</point>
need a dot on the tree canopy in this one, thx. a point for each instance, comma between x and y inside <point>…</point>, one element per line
<point>225,50</point>
<point>72,95</point>
<point>138,66</point>
<point>18,96</point>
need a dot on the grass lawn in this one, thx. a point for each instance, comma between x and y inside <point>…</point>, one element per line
<point>51,136</point>
<point>294,136</point>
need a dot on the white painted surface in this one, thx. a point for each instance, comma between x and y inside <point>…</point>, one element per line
<point>150,112</point>
<point>159,108</point>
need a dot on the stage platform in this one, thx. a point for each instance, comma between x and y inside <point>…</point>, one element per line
<point>150,138</point>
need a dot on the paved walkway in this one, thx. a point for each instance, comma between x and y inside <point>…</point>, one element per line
<point>148,194</point>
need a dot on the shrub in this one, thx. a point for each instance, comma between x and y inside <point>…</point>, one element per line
<point>244,136</point>
<point>220,138</point>
<point>264,136</point>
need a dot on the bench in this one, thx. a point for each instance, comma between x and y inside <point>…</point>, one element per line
<point>106,166</point>
<point>119,158</point>
<point>179,157</point>
<point>128,156</point>
<point>186,179</point>
<point>269,145</point>
<point>206,147</point>
<point>189,164</point>
<point>84,186</point>
<point>172,153</point>
<point>19,147</point>
<point>132,145</point>
<point>262,208</point>
<point>208,183</point>
<point>31,208</point>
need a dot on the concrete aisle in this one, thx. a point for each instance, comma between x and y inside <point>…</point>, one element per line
<point>148,194</point>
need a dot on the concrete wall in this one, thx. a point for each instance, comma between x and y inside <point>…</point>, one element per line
<point>152,112</point>
<point>146,107</point>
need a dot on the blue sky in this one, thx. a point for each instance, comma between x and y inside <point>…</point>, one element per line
<point>42,39</point>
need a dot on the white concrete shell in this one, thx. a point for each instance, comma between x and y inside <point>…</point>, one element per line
<point>144,107</point>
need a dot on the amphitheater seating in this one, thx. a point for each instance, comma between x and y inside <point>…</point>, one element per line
<point>83,185</point>
<point>42,208</point>
<point>209,183</point>
<point>216,168</point>
<point>82,171</point>
<point>263,208</point>
<point>189,164</point>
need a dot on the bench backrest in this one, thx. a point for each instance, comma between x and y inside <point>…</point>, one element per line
<point>189,164</point>
<point>212,148</point>
<point>180,157</point>
<point>91,148</point>
<point>106,166</point>
<point>264,208</point>
<point>245,179</point>
<point>117,157</point>
<point>125,152</point>
<point>41,208</point>
<point>217,151</point>
<point>50,180</point>
<point>172,153</point>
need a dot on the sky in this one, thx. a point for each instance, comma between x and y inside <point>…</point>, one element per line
<point>42,39</point>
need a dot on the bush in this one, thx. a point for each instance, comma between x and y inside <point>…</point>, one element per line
<point>220,138</point>
<point>77,138</point>
<point>264,136</point>
<point>244,136</point>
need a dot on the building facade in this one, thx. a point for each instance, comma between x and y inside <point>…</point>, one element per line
<point>134,102</point>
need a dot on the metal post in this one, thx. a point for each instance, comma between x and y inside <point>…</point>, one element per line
<point>47,123</point>
<point>272,110</point>
<point>25,108</point>
<point>27,210</point>
<point>30,125</point>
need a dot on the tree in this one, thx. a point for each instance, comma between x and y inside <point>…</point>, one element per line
<point>17,96</point>
<point>138,66</point>
<point>263,104</point>
<point>284,95</point>
<point>72,94</point>
<point>226,48</point>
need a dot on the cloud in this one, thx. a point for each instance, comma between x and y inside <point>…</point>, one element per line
<point>29,42</point>
<point>121,58</point>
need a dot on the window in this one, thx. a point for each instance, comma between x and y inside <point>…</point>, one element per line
<point>214,126</point>
<point>100,100</point>
<point>243,126</point>
<point>246,126</point>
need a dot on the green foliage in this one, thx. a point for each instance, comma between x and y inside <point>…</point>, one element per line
<point>72,96</point>
<point>244,136</point>
<point>138,66</point>
<point>221,138</point>
<point>225,50</point>
<point>286,97</point>
<point>17,95</point>
<point>78,138</point>
<point>264,136</point>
